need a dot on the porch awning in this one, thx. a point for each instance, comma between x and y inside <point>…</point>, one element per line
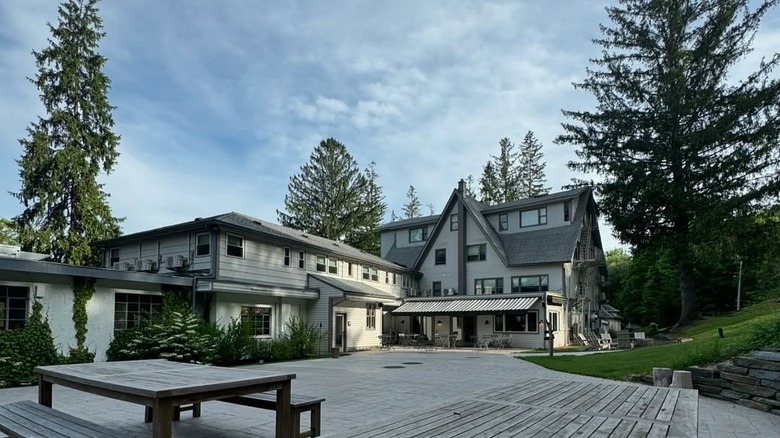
<point>459,307</point>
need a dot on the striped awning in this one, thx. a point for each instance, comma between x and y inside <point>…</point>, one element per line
<point>459,307</point>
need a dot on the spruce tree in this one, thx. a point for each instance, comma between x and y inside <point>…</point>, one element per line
<point>331,198</point>
<point>531,178</point>
<point>65,208</point>
<point>489,191</point>
<point>500,176</point>
<point>682,145</point>
<point>412,206</point>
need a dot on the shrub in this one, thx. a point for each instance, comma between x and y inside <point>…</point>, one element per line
<point>78,355</point>
<point>234,343</point>
<point>304,337</point>
<point>651,330</point>
<point>22,349</point>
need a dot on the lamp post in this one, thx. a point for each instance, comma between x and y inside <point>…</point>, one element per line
<point>739,284</point>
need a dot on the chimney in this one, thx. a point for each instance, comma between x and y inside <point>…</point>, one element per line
<point>461,186</point>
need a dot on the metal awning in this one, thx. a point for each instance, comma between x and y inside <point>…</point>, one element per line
<point>459,307</point>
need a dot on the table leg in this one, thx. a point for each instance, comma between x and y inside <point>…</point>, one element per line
<point>283,411</point>
<point>44,392</point>
<point>162,419</point>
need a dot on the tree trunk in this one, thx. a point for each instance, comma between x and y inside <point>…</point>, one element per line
<point>687,294</point>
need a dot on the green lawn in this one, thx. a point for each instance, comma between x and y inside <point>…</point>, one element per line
<point>705,348</point>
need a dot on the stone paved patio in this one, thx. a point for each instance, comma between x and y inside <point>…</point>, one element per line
<point>360,390</point>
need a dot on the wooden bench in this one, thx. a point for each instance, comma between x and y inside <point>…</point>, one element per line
<point>26,418</point>
<point>266,400</point>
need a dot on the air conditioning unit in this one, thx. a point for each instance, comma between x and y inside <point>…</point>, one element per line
<point>128,266</point>
<point>449,291</point>
<point>177,261</point>
<point>140,264</point>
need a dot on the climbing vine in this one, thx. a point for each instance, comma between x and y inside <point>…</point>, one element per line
<point>83,289</point>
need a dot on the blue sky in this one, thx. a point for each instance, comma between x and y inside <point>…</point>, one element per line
<point>219,103</point>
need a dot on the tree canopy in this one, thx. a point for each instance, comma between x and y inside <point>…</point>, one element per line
<point>682,145</point>
<point>332,198</point>
<point>412,206</point>
<point>65,208</point>
<point>531,178</point>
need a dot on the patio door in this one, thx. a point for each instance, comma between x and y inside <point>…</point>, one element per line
<point>469,328</point>
<point>340,332</point>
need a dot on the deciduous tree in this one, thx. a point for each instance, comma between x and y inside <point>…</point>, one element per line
<point>681,143</point>
<point>65,208</point>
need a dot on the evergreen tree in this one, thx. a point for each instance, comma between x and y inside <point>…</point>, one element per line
<point>499,182</point>
<point>65,208</point>
<point>470,186</point>
<point>530,168</point>
<point>365,236</point>
<point>331,198</point>
<point>412,206</point>
<point>680,145</point>
<point>489,185</point>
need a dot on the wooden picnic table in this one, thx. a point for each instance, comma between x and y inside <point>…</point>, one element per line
<point>553,408</point>
<point>161,385</point>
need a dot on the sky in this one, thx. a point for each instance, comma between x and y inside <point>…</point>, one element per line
<point>219,103</point>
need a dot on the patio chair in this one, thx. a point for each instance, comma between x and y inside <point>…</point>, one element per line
<point>607,342</point>
<point>585,342</point>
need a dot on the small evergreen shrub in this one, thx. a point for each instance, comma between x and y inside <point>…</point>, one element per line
<point>78,355</point>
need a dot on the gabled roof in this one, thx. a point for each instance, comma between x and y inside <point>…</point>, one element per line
<point>405,223</point>
<point>545,245</point>
<point>243,224</point>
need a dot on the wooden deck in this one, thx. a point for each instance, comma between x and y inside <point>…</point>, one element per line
<point>550,408</point>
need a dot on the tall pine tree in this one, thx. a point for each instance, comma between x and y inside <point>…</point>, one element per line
<point>531,178</point>
<point>680,143</point>
<point>65,208</point>
<point>412,206</point>
<point>499,182</point>
<point>331,198</point>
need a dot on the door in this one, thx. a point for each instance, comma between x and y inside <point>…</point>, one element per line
<point>469,328</point>
<point>340,332</point>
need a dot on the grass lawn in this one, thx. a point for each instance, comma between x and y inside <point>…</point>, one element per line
<point>705,348</point>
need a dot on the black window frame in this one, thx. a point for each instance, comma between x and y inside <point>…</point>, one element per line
<point>287,256</point>
<point>482,253</point>
<point>301,259</point>
<point>436,290</point>
<point>423,234</point>
<point>321,267</point>
<point>113,256</point>
<point>258,320</point>
<point>479,285</point>
<point>567,211</point>
<point>530,322</point>
<point>503,222</point>
<point>541,213</point>
<point>516,283</point>
<point>136,310</point>
<point>440,256</point>
<point>15,308</point>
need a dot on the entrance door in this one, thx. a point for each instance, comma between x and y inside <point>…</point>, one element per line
<point>340,332</point>
<point>469,328</point>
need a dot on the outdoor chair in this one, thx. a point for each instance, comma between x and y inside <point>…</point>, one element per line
<point>607,342</point>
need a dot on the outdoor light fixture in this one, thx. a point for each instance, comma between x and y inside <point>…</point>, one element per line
<point>438,322</point>
<point>487,321</point>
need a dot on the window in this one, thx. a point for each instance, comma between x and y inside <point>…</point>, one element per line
<point>301,259</point>
<point>418,234</point>
<point>333,266</point>
<point>531,283</point>
<point>531,218</point>
<point>441,256</point>
<point>387,277</point>
<point>552,319</point>
<point>287,261</point>
<point>235,246</point>
<point>516,322</point>
<point>202,244</point>
<point>488,286</point>
<point>371,316</point>
<point>453,222</point>
<point>374,274</point>
<point>567,211</point>
<point>321,263</point>
<point>113,255</point>
<point>257,320</point>
<point>394,278</point>
<point>503,222</point>
<point>13,306</point>
<point>134,310</point>
<point>475,252</point>
<point>366,275</point>
<point>436,290</point>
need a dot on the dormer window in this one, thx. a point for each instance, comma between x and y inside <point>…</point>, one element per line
<point>418,234</point>
<point>503,222</point>
<point>530,218</point>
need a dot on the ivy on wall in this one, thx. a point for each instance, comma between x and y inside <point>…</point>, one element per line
<point>83,289</point>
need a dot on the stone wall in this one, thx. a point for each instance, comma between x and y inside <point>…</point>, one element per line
<point>752,381</point>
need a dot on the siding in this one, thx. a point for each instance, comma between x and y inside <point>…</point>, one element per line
<point>262,263</point>
<point>358,336</point>
<point>160,249</point>
<point>227,306</point>
<point>554,218</point>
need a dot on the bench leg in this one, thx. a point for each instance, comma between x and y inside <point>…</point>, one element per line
<point>148,414</point>
<point>296,422</point>
<point>196,409</point>
<point>316,417</point>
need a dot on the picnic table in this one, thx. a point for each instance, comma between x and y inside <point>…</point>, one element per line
<point>163,385</point>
